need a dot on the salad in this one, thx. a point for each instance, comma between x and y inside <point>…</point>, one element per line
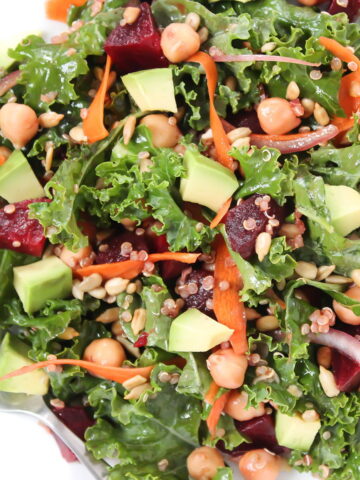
<point>179,234</point>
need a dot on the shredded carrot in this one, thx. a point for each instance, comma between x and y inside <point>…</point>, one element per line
<point>211,393</point>
<point>132,268</point>
<point>58,9</point>
<point>339,50</point>
<point>2,159</point>
<point>221,140</point>
<point>228,307</point>
<point>116,374</point>
<point>93,124</point>
<point>343,124</point>
<point>215,413</point>
<point>221,213</point>
<point>178,256</point>
<point>128,269</point>
<point>271,294</point>
<point>348,103</point>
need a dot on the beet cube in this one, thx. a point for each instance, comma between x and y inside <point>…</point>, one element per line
<point>109,251</point>
<point>137,46</point>
<point>20,233</point>
<point>346,372</point>
<point>242,237</point>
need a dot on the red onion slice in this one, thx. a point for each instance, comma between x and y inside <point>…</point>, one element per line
<point>298,142</point>
<point>341,341</point>
<point>8,82</point>
<point>219,56</point>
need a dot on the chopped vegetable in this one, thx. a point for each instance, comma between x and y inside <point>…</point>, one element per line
<point>221,141</point>
<point>228,307</point>
<point>215,412</point>
<point>221,214</point>
<point>58,9</point>
<point>93,124</point>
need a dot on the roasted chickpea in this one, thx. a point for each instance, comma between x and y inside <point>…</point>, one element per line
<point>259,465</point>
<point>276,116</point>
<point>106,352</point>
<point>227,369</point>
<point>72,259</point>
<point>18,123</point>
<point>203,462</point>
<point>346,315</point>
<point>163,133</point>
<point>236,407</point>
<point>179,41</point>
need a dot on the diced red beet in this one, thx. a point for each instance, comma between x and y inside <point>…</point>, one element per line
<point>75,418</point>
<point>261,433</point>
<point>246,119</point>
<point>346,372</point>
<point>352,9</point>
<point>243,240</point>
<point>169,269</point>
<point>137,46</point>
<point>200,298</point>
<point>112,253</point>
<point>20,233</point>
<point>142,340</point>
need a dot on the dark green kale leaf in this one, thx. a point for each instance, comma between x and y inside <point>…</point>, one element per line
<point>137,193</point>
<point>337,166</point>
<point>264,174</point>
<point>323,243</point>
<point>144,433</point>
<point>59,217</point>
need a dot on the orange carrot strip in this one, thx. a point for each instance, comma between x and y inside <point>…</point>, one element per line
<point>338,50</point>
<point>2,159</point>
<point>93,124</point>
<point>228,307</point>
<point>221,213</point>
<point>132,268</point>
<point>211,393</point>
<point>116,374</point>
<point>215,413</point>
<point>343,124</point>
<point>128,269</point>
<point>221,140</point>
<point>178,256</point>
<point>58,9</point>
<point>348,103</point>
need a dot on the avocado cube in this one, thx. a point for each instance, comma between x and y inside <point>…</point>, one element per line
<point>152,89</point>
<point>293,432</point>
<point>38,282</point>
<point>14,355</point>
<point>206,182</point>
<point>193,331</point>
<point>344,205</point>
<point>17,180</point>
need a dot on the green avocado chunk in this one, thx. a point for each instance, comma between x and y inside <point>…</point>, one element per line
<point>17,180</point>
<point>14,355</point>
<point>193,331</point>
<point>344,205</point>
<point>294,432</point>
<point>38,282</point>
<point>152,89</point>
<point>206,182</point>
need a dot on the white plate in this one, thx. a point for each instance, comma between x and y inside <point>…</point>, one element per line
<point>28,451</point>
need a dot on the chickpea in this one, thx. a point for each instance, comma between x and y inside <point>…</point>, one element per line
<point>276,116</point>
<point>236,407</point>
<point>106,352</point>
<point>163,133</point>
<point>203,462</point>
<point>259,465</point>
<point>346,315</point>
<point>227,369</point>
<point>72,259</point>
<point>18,123</point>
<point>179,41</point>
